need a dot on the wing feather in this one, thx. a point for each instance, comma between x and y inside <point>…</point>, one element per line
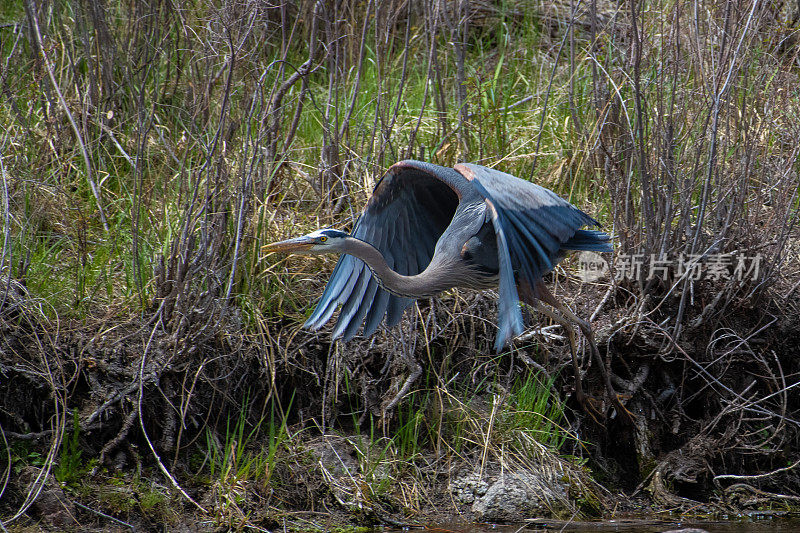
<point>533,226</point>
<point>366,301</point>
<point>538,223</point>
<point>327,303</point>
<point>410,208</point>
<point>509,314</point>
<point>362,279</point>
<point>376,312</point>
<point>342,288</point>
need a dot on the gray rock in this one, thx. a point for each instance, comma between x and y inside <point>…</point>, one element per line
<point>468,486</point>
<point>336,454</point>
<point>516,496</point>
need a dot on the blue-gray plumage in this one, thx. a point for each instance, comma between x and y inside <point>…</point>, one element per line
<point>429,228</point>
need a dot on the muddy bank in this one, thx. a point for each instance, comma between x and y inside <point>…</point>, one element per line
<point>115,424</point>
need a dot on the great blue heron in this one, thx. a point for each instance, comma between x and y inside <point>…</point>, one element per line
<point>429,228</point>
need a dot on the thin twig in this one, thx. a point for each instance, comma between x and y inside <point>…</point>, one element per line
<point>161,466</point>
<point>31,8</point>
<point>104,515</point>
<point>549,89</point>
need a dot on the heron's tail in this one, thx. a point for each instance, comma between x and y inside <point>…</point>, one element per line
<point>591,240</point>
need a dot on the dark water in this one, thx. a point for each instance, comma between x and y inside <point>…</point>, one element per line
<point>771,525</point>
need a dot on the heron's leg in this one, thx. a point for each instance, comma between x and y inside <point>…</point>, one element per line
<point>546,296</point>
<point>529,296</point>
<point>576,367</point>
<point>415,371</point>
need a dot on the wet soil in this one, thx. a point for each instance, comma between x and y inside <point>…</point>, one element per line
<point>743,525</point>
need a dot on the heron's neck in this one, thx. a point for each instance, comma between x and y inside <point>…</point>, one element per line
<point>427,283</point>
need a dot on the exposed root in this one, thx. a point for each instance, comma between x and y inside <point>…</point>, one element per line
<point>121,435</point>
<point>744,496</point>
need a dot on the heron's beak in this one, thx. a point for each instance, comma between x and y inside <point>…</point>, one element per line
<point>298,244</point>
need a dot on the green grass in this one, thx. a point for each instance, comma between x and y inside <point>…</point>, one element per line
<point>122,495</point>
<point>70,468</point>
<point>534,408</point>
<point>243,456</point>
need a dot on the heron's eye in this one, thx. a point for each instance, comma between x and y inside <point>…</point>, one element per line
<point>323,238</point>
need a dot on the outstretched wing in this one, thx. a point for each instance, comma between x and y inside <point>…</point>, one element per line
<point>410,208</point>
<point>533,225</point>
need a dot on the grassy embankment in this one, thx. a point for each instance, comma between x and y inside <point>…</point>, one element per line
<point>149,151</point>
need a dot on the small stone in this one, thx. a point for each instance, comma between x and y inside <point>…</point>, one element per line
<point>52,505</point>
<point>517,496</point>
<point>468,486</point>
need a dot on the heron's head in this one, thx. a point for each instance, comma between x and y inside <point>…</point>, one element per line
<point>323,241</point>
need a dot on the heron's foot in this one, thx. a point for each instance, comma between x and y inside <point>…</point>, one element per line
<point>605,371</point>
<point>597,408</point>
<point>416,372</point>
<point>622,411</point>
<point>593,408</point>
